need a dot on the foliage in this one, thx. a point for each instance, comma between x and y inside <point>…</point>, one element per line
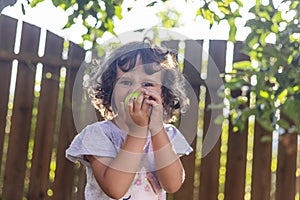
<point>169,18</point>
<point>96,16</point>
<point>273,72</point>
<point>217,10</point>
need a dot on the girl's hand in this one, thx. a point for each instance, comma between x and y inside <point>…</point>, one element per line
<point>156,117</point>
<point>136,115</point>
<point>138,110</point>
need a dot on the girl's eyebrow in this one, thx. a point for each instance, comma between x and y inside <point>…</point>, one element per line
<point>122,77</point>
<point>150,80</point>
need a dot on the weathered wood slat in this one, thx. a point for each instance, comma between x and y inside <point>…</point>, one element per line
<point>21,118</point>
<point>64,175</point>
<point>46,118</point>
<point>210,164</point>
<point>193,61</point>
<point>7,41</point>
<point>261,170</point>
<point>8,28</point>
<point>286,166</point>
<point>83,114</point>
<point>5,68</point>
<point>236,164</point>
<point>172,45</point>
<point>19,135</point>
<point>237,149</point>
<point>189,120</point>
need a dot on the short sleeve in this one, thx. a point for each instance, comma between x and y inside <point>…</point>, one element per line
<point>178,141</point>
<point>93,140</point>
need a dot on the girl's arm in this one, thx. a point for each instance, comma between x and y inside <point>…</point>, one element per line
<point>169,168</point>
<point>170,171</point>
<point>115,176</point>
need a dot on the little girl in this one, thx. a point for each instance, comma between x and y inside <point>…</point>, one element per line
<point>134,153</point>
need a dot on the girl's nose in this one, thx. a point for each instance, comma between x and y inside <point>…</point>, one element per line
<point>137,88</point>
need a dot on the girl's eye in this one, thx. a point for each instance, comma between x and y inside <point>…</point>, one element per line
<point>147,84</point>
<point>127,83</point>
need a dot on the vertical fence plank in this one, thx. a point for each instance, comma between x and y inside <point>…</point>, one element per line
<point>7,41</point>
<point>172,45</point>
<point>8,27</point>
<point>261,164</point>
<point>21,117</point>
<point>236,164</point>
<point>64,175</point>
<point>45,127</point>
<point>237,148</point>
<point>83,114</point>
<point>210,164</point>
<point>261,169</point>
<point>5,68</point>
<point>286,165</point>
<point>192,65</point>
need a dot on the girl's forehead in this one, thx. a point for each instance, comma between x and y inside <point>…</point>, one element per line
<point>139,71</point>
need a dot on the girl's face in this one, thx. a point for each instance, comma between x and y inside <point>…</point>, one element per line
<point>135,80</point>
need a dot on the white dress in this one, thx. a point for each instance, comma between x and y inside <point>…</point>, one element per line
<point>104,139</point>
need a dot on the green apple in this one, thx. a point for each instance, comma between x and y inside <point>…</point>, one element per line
<point>133,94</point>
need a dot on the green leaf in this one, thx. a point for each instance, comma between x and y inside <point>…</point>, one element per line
<point>262,38</point>
<point>264,94</point>
<point>118,12</point>
<point>240,4</point>
<point>220,119</point>
<point>294,5</point>
<point>283,96</point>
<point>277,17</point>
<point>275,28</point>
<point>266,138</point>
<point>151,4</point>
<point>283,123</point>
<point>242,65</point>
<point>264,15</point>
<point>291,108</point>
<point>224,10</point>
<point>233,29</point>
<point>252,39</point>
<point>35,2</point>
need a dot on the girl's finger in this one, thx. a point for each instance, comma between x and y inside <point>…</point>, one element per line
<point>154,96</point>
<point>130,106</point>
<point>145,106</point>
<point>138,102</point>
<point>151,102</point>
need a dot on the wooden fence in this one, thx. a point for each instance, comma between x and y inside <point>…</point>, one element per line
<point>36,125</point>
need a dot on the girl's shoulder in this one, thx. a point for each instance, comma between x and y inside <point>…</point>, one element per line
<point>178,140</point>
<point>98,124</point>
<point>171,130</point>
<point>106,127</point>
<point>99,139</point>
<point>100,130</point>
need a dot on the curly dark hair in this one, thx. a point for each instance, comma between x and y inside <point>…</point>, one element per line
<point>101,83</point>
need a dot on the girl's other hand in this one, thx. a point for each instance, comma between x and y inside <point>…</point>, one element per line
<point>156,118</point>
